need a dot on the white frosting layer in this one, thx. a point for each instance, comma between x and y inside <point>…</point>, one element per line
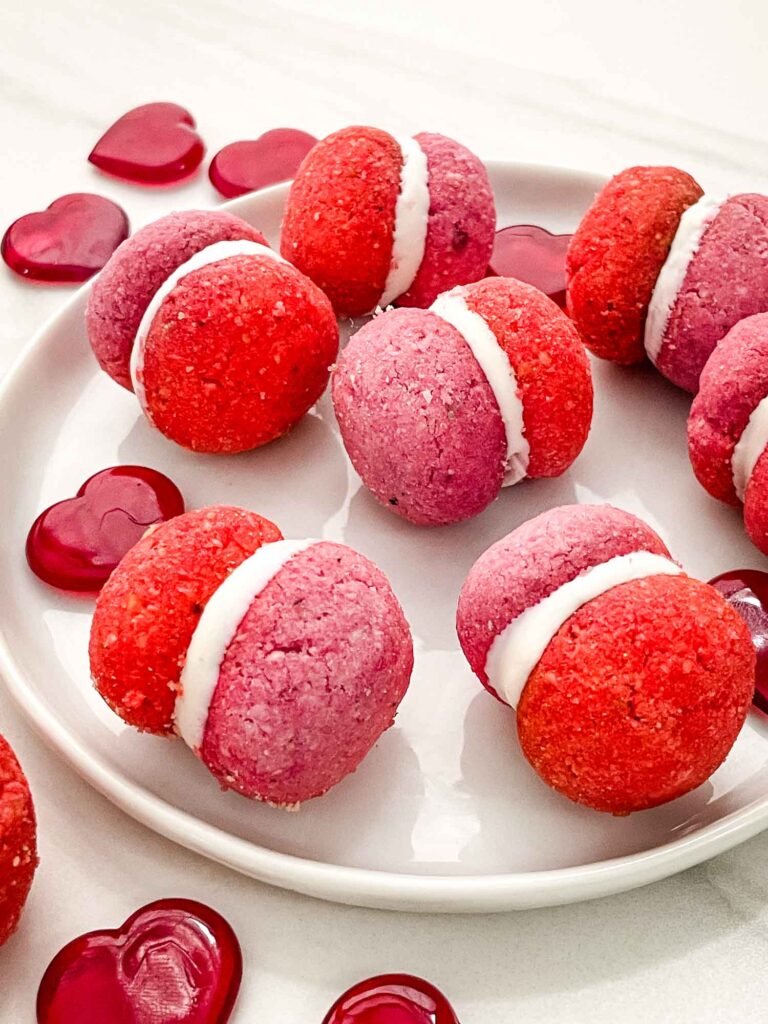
<point>215,630</point>
<point>750,447</point>
<point>210,254</point>
<point>516,651</point>
<point>411,218</point>
<point>452,307</point>
<point>685,244</point>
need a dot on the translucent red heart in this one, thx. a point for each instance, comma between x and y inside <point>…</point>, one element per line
<point>75,544</point>
<point>747,591</point>
<point>68,242</point>
<point>244,167</point>
<point>392,999</point>
<point>534,255</point>
<point>173,960</point>
<point>155,144</point>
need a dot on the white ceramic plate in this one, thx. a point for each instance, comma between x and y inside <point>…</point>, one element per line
<point>444,814</point>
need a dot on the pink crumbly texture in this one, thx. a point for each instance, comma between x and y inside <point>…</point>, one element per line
<point>123,290</point>
<point>461,225</point>
<point>726,280</point>
<point>312,678</point>
<point>733,383</point>
<point>418,418</point>
<point>534,560</point>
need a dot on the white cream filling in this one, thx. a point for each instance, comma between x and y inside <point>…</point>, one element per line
<point>516,651</point>
<point>452,307</point>
<point>411,219</point>
<point>210,254</point>
<point>685,244</point>
<point>215,630</point>
<point>750,447</point>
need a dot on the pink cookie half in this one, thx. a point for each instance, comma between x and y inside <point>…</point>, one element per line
<point>733,382</point>
<point>726,280</point>
<point>122,291</point>
<point>461,224</point>
<point>311,679</point>
<point>418,418</point>
<point>530,563</point>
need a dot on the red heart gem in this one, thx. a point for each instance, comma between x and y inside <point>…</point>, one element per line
<point>392,999</point>
<point>172,962</point>
<point>534,255</point>
<point>746,590</point>
<point>75,544</point>
<point>68,242</point>
<point>246,166</point>
<point>154,145</point>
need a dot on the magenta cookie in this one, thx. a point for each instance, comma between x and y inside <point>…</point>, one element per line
<point>716,274</point>
<point>439,409</point>
<point>616,253</point>
<point>376,220</point>
<point>233,346</point>
<point>728,422</point>
<point>631,681</point>
<point>279,663</point>
<point>123,290</point>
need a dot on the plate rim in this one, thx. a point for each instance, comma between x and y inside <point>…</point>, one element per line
<point>367,887</point>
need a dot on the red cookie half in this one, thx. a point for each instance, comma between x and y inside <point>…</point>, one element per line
<point>18,841</point>
<point>616,253</point>
<point>147,611</point>
<point>237,352</point>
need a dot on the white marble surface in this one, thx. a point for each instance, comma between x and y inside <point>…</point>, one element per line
<point>594,84</point>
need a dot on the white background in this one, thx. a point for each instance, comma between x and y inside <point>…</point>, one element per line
<point>590,84</point>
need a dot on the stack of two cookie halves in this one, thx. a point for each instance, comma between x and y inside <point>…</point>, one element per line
<point>659,269</point>
<point>279,662</point>
<point>631,681</point>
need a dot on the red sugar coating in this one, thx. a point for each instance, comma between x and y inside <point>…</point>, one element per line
<point>726,280</point>
<point>340,216</point>
<point>418,418</point>
<point>534,560</point>
<point>461,224</point>
<point>756,504</point>
<point>123,289</point>
<point>18,841</point>
<point>550,364</point>
<point>639,696</point>
<point>312,678</point>
<point>733,382</point>
<point>148,609</point>
<point>616,254</point>
<point>237,353</point>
